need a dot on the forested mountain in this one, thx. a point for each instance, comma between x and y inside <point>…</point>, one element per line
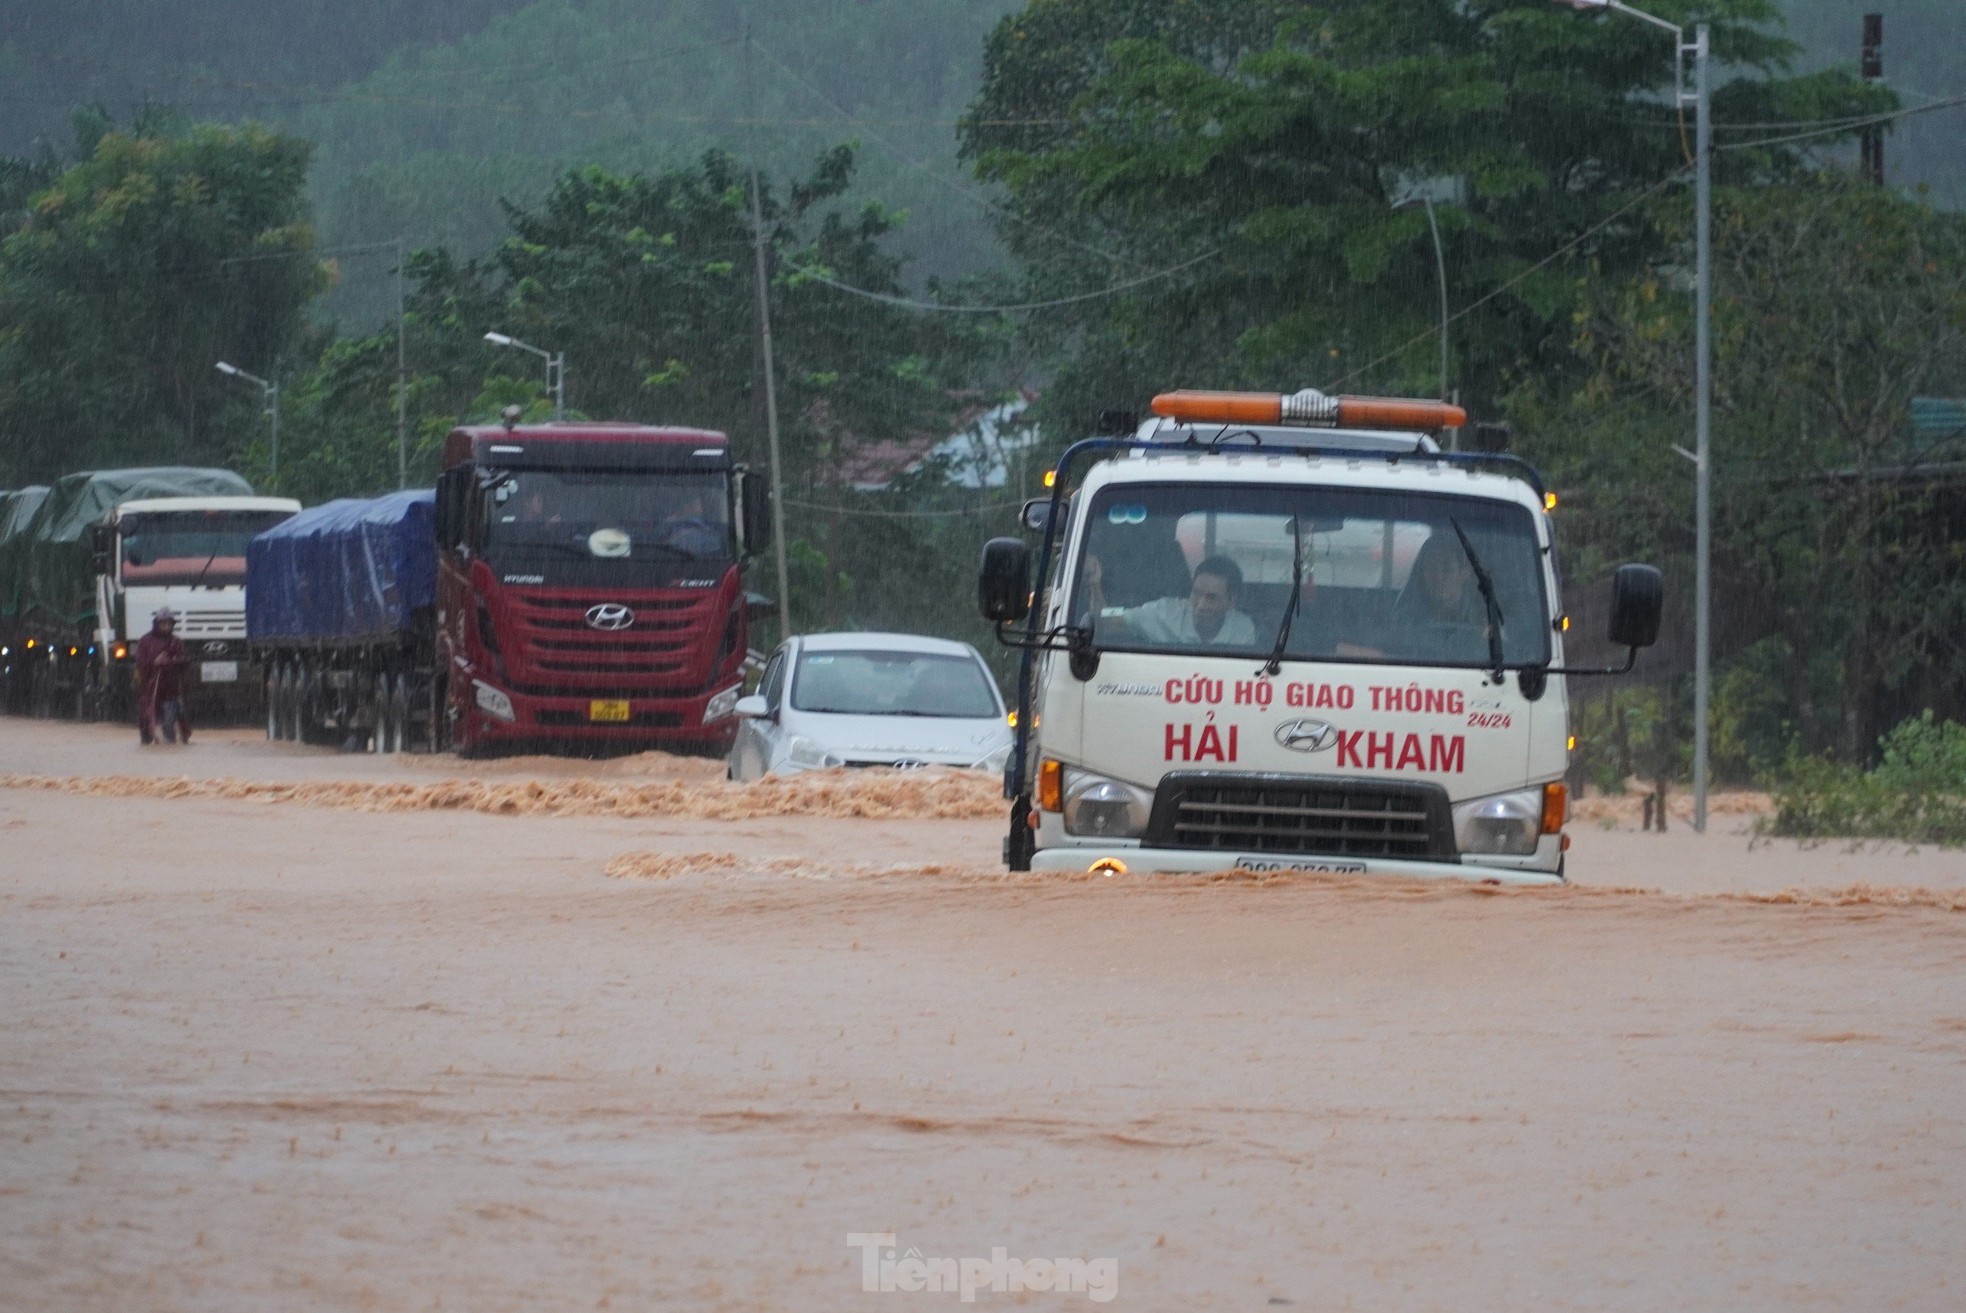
<point>426,114</point>
<point>424,140</point>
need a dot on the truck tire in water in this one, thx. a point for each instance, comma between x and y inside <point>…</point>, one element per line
<point>399,713</point>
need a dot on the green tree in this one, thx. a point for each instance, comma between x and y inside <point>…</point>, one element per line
<point>647,282</point>
<point>1835,304</point>
<point>166,249</point>
<point>1282,135</point>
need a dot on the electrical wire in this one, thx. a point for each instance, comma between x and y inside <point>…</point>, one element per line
<point>1494,292</point>
<point>912,304</point>
<point>1845,125</point>
<point>902,515</point>
<point>935,176</point>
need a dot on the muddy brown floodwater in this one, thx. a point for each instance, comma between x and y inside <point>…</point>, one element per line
<point>645,1045</point>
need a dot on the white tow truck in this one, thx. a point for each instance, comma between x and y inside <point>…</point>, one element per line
<point>1288,632</point>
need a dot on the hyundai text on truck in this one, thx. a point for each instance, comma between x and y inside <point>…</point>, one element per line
<point>1289,632</point>
<point>567,584</point>
<point>86,564</point>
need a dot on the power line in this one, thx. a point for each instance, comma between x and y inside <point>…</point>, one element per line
<point>904,515</point>
<point>912,304</point>
<point>936,176</point>
<point>1494,292</point>
<point>1845,125</point>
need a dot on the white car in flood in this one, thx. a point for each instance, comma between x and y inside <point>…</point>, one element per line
<point>870,700</point>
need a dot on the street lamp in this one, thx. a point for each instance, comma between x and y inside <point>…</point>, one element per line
<point>1440,265</point>
<point>1702,366</point>
<point>272,391</point>
<point>556,369</point>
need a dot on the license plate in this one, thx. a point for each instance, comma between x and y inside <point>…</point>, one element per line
<point>219,672</point>
<point>605,709</point>
<point>1313,865</point>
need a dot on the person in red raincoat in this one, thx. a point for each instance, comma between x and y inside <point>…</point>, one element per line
<point>160,682</point>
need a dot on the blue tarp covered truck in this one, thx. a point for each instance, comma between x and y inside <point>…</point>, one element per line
<point>340,613</point>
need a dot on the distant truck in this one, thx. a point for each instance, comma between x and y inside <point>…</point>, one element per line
<point>86,564</point>
<point>565,585</point>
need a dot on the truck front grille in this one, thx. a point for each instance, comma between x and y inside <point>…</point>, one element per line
<point>659,646</point>
<point>211,624</point>
<point>1307,815</point>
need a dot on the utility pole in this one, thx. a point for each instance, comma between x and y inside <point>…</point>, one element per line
<point>1701,99</point>
<point>762,277</point>
<point>402,381</point>
<point>1872,67</point>
<point>1702,424</point>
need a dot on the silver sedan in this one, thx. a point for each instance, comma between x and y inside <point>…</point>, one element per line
<point>870,700</point>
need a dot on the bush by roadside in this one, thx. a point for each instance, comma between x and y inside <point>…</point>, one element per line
<point>1916,793</point>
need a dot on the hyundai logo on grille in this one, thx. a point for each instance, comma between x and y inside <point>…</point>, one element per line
<point>609,616</point>
<point>1307,735</point>
<point>215,648</point>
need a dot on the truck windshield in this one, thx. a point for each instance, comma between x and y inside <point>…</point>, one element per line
<point>1388,577</point>
<point>608,526</point>
<point>188,547</point>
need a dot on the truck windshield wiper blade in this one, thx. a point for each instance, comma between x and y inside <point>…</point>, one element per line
<point>1493,607</point>
<point>1275,663</point>
<point>200,580</point>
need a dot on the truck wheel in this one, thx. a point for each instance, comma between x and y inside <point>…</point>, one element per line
<point>399,713</point>
<point>376,695</point>
<point>310,711</point>
<point>1020,844</point>
<point>437,698</point>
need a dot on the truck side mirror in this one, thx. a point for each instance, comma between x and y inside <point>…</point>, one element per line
<point>1036,514</point>
<point>1638,595</point>
<point>1003,585</point>
<point>102,548</point>
<point>754,508</point>
<point>448,518</point>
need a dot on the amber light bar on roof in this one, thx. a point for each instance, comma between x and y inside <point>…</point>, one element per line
<point>1309,407</point>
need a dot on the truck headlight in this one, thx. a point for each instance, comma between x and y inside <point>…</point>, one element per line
<point>807,755</point>
<point>493,701</point>
<point>1096,807</point>
<point>1500,825</point>
<point>723,704</point>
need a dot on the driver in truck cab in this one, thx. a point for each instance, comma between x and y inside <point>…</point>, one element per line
<point>1206,616</point>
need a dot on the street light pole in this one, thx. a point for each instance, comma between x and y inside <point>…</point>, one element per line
<point>1440,267</point>
<point>556,369</point>
<point>1700,98</point>
<point>271,392</point>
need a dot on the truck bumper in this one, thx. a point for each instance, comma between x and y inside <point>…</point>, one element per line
<point>1135,861</point>
<point>654,720</point>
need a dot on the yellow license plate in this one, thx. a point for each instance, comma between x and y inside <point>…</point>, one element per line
<point>600,709</point>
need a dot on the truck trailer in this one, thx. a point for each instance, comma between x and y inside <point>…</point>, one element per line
<point>84,570</point>
<point>1288,632</point>
<point>566,585</point>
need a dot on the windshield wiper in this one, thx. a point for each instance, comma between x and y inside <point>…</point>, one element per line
<point>1494,608</point>
<point>1275,663</point>
<point>199,581</point>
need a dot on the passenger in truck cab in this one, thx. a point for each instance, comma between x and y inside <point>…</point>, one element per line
<point>689,528</point>
<point>1206,617</point>
<point>1440,615</point>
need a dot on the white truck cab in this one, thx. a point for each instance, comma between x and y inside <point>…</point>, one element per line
<point>1288,632</point>
<point>188,554</point>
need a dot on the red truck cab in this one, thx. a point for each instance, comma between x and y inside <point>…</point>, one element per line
<point>590,585</point>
